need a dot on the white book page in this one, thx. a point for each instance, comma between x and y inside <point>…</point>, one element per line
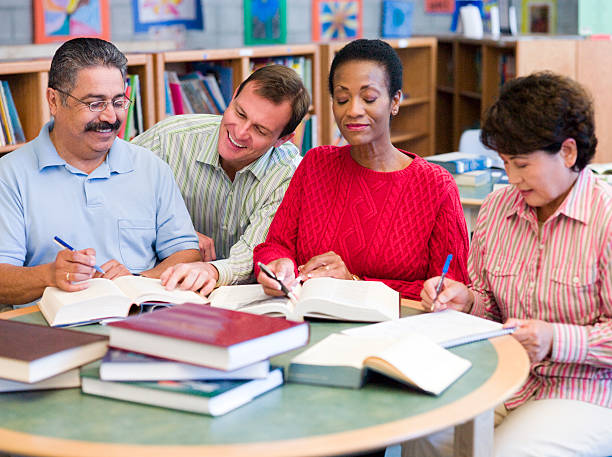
<point>141,289</point>
<point>341,350</point>
<point>349,299</point>
<point>424,363</point>
<point>249,298</point>
<point>439,327</point>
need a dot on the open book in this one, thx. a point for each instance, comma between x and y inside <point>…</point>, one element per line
<point>105,299</point>
<point>447,328</point>
<point>343,360</point>
<point>324,298</point>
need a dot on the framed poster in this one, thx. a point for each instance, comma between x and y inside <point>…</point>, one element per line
<point>60,20</point>
<point>265,21</point>
<point>155,13</point>
<point>397,18</point>
<point>336,20</point>
<point>539,16</point>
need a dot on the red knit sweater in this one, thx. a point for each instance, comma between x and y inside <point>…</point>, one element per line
<point>396,227</point>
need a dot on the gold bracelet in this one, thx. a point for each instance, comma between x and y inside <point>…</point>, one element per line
<point>355,277</point>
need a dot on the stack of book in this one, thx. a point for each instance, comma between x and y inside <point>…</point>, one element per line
<point>194,358</point>
<point>34,357</point>
<point>468,169</point>
<point>11,131</point>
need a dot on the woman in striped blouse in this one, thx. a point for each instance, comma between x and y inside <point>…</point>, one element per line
<point>541,260</point>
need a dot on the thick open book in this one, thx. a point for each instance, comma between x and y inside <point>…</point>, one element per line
<point>325,298</point>
<point>343,360</point>
<point>107,299</point>
<point>448,328</point>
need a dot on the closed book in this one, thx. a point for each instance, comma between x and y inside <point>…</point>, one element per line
<point>205,397</point>
<point>211,337</point>
<point>105,298</point>
<point>343,361</point>
<point>448,328</point>
<point>31,353</point>
<point>322,298</point>
<point>68,379</point>
<point>461,162</point>
<point>118,365</point>
<point>473,178</point>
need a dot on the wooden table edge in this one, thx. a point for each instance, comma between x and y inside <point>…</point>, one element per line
<point>501,385</point>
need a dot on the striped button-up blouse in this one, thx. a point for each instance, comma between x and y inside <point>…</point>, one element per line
<point>560,273</point>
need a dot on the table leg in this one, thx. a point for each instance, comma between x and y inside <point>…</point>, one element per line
<point>474,438</point>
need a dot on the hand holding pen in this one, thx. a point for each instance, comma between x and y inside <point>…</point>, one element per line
<point>440,293</point>
<point>73,266</point>
<point>279,284</point>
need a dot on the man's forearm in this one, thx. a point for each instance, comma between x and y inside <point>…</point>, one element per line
<point>20,285</point>
<point>186,256</point>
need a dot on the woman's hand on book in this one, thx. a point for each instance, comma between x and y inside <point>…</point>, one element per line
<point>284,271</point>
<point>328,265</point>
<point>534,335</point>
<point>454,295</point>
<point>201,277</point>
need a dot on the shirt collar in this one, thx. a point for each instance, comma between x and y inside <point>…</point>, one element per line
<point>118,159</point>
<point>575,206</point>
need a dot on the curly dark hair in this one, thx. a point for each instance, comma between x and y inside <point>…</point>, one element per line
<point>370,50</point>
<point>538,113</point>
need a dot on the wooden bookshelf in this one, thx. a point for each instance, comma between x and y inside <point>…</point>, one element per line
<point>470,75</point>
<point>413,128</point>
<point>28,81</point>
<point>239,60</point>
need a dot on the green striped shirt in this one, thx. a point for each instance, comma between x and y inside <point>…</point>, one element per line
<point>236,215</point>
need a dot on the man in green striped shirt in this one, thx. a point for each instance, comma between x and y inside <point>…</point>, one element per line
<point>233,171</point>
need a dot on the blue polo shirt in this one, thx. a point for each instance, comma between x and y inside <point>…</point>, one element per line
<point>128,209</point>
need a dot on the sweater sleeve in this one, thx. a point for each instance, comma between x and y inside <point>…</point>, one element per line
<point>282,235</point>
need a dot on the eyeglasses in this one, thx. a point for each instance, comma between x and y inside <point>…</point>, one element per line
<point>119,104</point>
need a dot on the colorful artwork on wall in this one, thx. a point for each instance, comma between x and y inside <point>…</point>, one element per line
<point>158,13</point>
<point>336,20</point>
<point>265,21</point>
<point>60,20</point>
<point>539,16</point>
<point>397,18</point>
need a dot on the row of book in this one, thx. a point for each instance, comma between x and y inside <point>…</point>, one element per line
<point>11,131</point>
<point>301,65</point>
<point>134,122</point>
<point>194,92</point>
<point>188,357</point>
<point>507,68</point>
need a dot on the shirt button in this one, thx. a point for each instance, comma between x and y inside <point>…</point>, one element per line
<point>575,280</point>
<point>541,246</point>
<point>497,268</point>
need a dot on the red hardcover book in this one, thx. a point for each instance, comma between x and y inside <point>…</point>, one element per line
<point>212,337</point>
<point>30,353</point>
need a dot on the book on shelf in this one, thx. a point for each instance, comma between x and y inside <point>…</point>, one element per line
<point>169,105</point>
<point>448,328</point>
<point>206,397</point>
<point>106,298</point>
<point>13,115</point>
<point>206,336</point>
<point>461,162</point>
<point>193,90</point>
<point>5,118</point>
<point>214,92</point>
<point>118,365</point>
<point>323,298</point>
<point>123,127</point>
<point>223,75</point>
<point>176,94</point>
<point>30,353</point>
<point>66,380</point>
<point>473,178</point>
<point>344,360</point>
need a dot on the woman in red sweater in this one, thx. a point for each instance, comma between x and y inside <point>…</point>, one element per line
<point>366,210</point>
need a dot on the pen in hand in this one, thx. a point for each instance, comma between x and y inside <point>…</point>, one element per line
<point>63,244</point>
<point>444,271</point>
<point>283,287</point>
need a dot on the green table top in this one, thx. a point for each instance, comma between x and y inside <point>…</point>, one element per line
<point>292,411</point>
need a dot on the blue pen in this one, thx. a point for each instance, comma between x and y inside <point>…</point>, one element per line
<point>444,271</point>
<point>63,244</point>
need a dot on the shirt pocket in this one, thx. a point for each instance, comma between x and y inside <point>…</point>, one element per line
<point>576,286</point>
<point>503,278</point>
<point>137,243</point>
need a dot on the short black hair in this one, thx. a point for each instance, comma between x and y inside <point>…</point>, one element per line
<point>79,53</point>
<point>538,113</point>
<point>374,51</point>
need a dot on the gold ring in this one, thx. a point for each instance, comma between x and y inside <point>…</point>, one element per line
<point>68,276</point>
<point>326,267</point>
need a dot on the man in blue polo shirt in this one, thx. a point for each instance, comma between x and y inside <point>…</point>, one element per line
<point>117,204</point>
